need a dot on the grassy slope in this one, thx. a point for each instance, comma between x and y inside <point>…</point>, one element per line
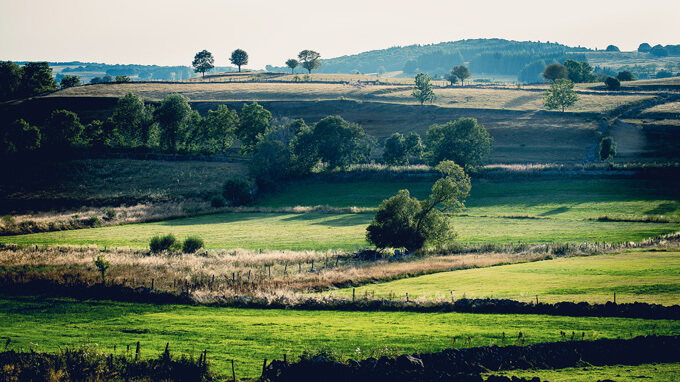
<point>548,211</point>
<point>658,372</point>
<point>248,335</point>
<point>652,277</point>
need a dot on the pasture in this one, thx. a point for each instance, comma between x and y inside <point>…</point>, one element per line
<point>635,276</point>
<point>250,335</point>
<point>500,211</point>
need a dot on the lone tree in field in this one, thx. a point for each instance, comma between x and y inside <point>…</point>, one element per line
<point>239,57</point>
<point>309,60</point>
<point>607,149</point>
<point>203,62</point>
<point>403,221</point>
<point>292,64</point>
<point>462,72</point>
<point>102,265</point>
<point>612,83</point>
<point>452,78</point>
<point>554,72</point>
<point>464,141</point>
<point>423,91</point>
<point>560,95</point>
<point>69,82</point>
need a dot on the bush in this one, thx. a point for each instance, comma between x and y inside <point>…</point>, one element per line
<point>162,243</point>
<point>109,214</point>
<point>612,83</point>
<point>93,221</point>
<point>218,201</point>
<point>625,76</point>
<point>237,192</point>
<point>192,244</point>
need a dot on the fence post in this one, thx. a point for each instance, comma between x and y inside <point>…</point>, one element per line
<point>536,299</point>
<point>614,297</point>
<point>406,296</point>
<point>353,295</point>
<point>137,352</point>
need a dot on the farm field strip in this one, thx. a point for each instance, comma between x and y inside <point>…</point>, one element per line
<point>250,335</point>
<point>635,276</point>
<point>657,372</point>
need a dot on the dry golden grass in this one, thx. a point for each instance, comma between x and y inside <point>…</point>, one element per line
<point>666,108</point>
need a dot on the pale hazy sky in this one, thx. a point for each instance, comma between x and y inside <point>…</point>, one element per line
<point>170,32</point>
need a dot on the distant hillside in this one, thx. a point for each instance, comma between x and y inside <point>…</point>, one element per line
<point>490,56</point>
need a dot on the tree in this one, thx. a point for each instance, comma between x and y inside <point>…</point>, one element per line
<point>532,72</point>
<point>555,71</point>
<point>579,72</point>
<point>237,192</point>
<point>310,60</point>
<point>203,62</point>
<point>625,76</point>
<point>340,143</point>
<point>403,221</point>
<point>612,48</point>
<point>462,72</point>
<point>102,265</point>
<point>10,79</point>
<point>19,138</point>
<point>292,64</point>
<point>464,141</point>
<point>663,73</point>
<point>173,116</point>
<point>239,57</point>
<point>219,127</point>
<point>255,120</point>
<point>271,163</point>
<point>452,78</point>
<point>423,90</point>
<point>644,48</point>
<point>37,78</point>
<point>607,149</point>
<point>413,145</point>
<point>659,51</point>
<point>560,95</point>
<point>131,119</point>
<point>120,79</point>
<point>612,83</point>
<point>69,82</point>
<point>62,129</point>
<point>394,150</point>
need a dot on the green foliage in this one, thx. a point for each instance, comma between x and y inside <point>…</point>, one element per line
<point>20,138</point>
<point>69,82</point>
<point>133,122</point>
<point>218,201</point>
<point>612,48</point>
<point>173,115</point>
<point>394,150</point>
<point>237,192</point>
<point>625,76</point>
<point>102,265</point>
<point>462,72</point>
<point>451,78</point>
<point>10,79</point>
<point>644,48</point>
<point>203,62</point>
<point>37,78</point>
<point>309,60</point>
<point>555,71</point>
<point>217,130</point>
<point>579,72</point>
<point>607,149</point>
<point>192,244</point>
<point>560,95</point>
<point>160,243</point>
<point>62,129</point>
<point>292,64</point>
<point>239,57</point>
<point>423,88</point>
<point>659,51</point>
<point>663,73</point>
<point>464,141</point>
<point>532,72</point>
<point>255,120</point>
<point>271,163</point>
<point>120,79</point>
<point>340,143</point>
<point>612,83</point>
<point>403,221</point>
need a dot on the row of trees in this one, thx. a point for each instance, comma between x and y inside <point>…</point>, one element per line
<point>205,62</point>
<point>24,81</point>
<point>575,71</point>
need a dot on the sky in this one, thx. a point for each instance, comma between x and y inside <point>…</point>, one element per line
<point>170,32</point>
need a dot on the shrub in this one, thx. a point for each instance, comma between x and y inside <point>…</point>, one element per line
<point>192,244</point>
<point>8,221</point>
<point>93,221</point>
<point>612,83</point>
<point>109,214</point>
<point>218,201</point>
<point>162,243</point>
<point>237,192</point>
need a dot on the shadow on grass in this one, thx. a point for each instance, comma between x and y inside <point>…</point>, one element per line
<point>346,220</point>
<point>665,208</point>
<point>556,211</point>
<point>214,219</point>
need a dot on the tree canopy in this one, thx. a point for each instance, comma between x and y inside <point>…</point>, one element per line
<point>292,64</point>
<point>310,60</point>
<point>69,82</point>
<point>464,141</point>
<point>607,149</point>
<point>203,62</point>
<point>173,115</point>
<point>239,57</point>
<point>579,72</point>
<point>423,90</point>
<point>462,72</point>
<point>404,221</point>
<point>560,95</point>
<point>555,71</point>
<point>254,121</point>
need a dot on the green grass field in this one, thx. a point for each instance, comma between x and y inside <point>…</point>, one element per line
<point>652,277</point>
<point>249,336</point>
<point>657,372</point>
<point>532,211</point>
